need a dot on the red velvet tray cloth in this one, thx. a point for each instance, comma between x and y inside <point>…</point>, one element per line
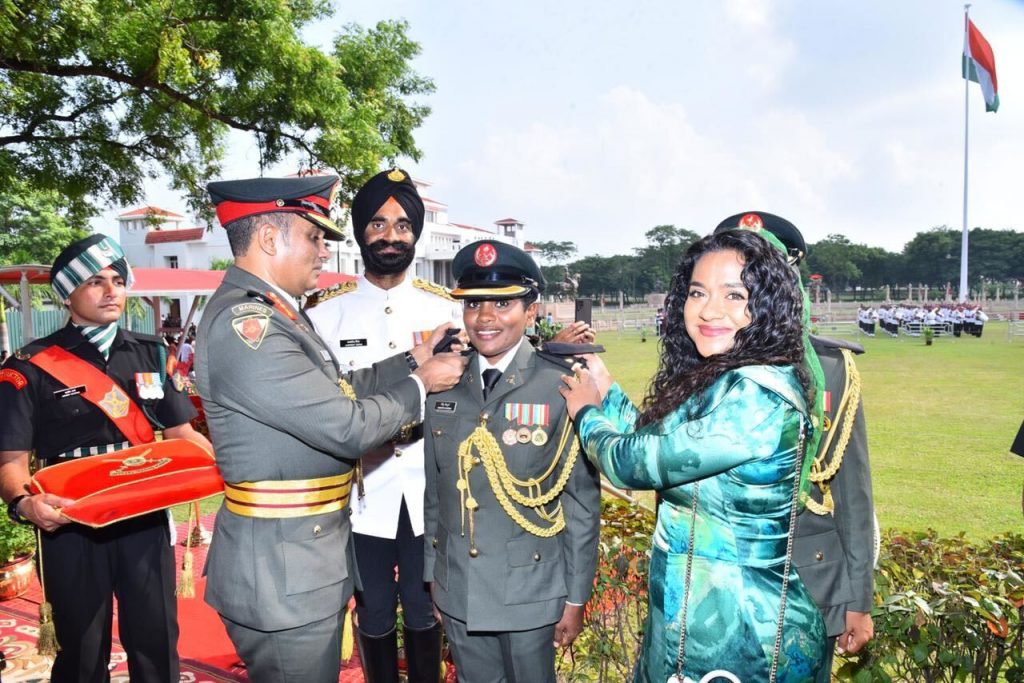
<point>116,486</point>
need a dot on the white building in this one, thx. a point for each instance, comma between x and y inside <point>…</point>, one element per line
<point>156,238</point>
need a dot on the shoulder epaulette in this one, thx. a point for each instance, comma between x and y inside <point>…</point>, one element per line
<point>433,288</point>
<point>322,295</point>
<point>149,338</point>
<point>565,362</point>
<point>830,343</point>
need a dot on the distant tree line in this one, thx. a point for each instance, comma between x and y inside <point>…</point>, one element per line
<point>931,258</point>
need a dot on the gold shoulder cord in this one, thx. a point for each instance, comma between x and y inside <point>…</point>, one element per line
<point>822,472</point>
<point>506,486</point>
<point>317,298</point>
<point>427,286</point>
<point>348,391</point>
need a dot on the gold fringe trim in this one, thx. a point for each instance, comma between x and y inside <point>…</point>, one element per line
<point>46,644</point>
<point>824,469</point>
<point>433,288</point>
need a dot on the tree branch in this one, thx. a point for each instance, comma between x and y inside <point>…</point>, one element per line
<point>144,84</point>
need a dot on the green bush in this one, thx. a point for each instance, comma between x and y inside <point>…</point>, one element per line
<point>606,650</point>
<point>15,539</point>
<point>946,610</point>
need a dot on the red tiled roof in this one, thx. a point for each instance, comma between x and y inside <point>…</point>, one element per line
<point>150,211</point>
<point>529,247</point>
<point>164,236</point>
<point>507,221</point>
<point>428,200</point>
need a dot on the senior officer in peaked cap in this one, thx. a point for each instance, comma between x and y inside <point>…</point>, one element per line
<point>384,310</point>
<point>833,549</point>
<point>511,563</point>
<point>88,389</point>
<point>287,427</point>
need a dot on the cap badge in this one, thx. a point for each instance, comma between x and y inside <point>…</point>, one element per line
<point>751,221</point>
<point>485,255</point>
<point>280,202</point>
<point>396,175</point>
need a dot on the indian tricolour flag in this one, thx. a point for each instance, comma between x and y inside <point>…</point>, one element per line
<point>979,65</point>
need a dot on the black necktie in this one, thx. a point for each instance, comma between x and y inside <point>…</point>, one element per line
<point>491,377</point>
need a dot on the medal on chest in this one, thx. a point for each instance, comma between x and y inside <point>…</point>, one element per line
<point>148,385</point>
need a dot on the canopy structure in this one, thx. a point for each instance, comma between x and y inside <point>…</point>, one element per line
<point>151,285</point>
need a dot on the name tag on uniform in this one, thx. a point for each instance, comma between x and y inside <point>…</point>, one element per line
<point>326,354</point>
<point>445,406</point>
<point>349,343</point>
<point>69,392</point>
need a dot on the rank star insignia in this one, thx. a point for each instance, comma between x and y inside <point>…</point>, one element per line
<point>251,329</point>
<point>115,403</point>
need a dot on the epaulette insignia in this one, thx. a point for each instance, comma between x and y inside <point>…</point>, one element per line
<point>322,295</point>
<point>347,389</point>
<point>433,288</point>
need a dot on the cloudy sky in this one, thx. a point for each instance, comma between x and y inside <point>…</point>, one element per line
<point>594,121</point>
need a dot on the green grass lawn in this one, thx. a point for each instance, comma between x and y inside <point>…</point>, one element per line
<point>940,423</point>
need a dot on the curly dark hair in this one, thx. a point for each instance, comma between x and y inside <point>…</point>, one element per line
<point>773,337</point>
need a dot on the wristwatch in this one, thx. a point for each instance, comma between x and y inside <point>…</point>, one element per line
<point>12,509</point>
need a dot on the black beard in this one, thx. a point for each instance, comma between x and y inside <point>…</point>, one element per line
<point>388,264</point>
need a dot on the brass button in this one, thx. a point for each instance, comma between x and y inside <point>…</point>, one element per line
<point>473,552</point>
<point>485,416</point>
<point>317,530</point>
<point>819,556</point>
<point>398,452</point>
<point>392,345</point>
<point>476,460</point>
<point>387,309</point>
<point>436,432</point>
<point>536,557</point>
<point>434,542</point>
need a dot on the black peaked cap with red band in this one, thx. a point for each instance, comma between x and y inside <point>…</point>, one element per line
<point>310,196</point>
<point>492,270</point>
<point>783,230</point>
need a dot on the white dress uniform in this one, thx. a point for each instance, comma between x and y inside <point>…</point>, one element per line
<point>363,324</point>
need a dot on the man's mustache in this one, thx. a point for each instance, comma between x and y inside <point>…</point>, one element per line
<point>381,245</point>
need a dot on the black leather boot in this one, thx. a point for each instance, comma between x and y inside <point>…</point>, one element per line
<point>423,654</point>
<point>379,656</point>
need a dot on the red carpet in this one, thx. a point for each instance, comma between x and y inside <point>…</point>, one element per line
<point>206,653</point>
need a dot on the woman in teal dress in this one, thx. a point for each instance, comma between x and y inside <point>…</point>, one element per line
<point>721,439</point>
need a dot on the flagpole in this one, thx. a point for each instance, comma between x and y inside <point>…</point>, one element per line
<point>967,112</point>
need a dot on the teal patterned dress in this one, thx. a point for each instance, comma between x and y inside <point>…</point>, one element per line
<point>742,449</point>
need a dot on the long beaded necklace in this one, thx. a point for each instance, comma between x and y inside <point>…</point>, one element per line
<point>678,676</point>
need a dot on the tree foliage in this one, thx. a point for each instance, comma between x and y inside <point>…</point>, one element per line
<point>931,258</point>
<point>97,95</point>
<point>35,225</point>
<point>555,252</point>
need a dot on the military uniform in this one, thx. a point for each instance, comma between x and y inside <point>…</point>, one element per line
<point>277,416</point>
<point>362,324</point>
<point>84,567</point>
<point>834,552</point>
<point>503,555</point>
<point>286,429</point>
